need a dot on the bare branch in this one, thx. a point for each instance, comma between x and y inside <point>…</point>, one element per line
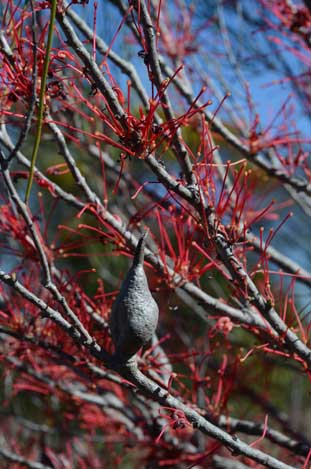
<point>8,455</point>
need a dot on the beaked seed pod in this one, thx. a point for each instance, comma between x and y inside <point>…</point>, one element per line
<point>134,315</point>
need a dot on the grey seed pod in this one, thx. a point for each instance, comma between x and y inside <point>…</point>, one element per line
<point>134,315</point>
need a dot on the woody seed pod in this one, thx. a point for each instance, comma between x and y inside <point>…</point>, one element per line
<point>135,313</point>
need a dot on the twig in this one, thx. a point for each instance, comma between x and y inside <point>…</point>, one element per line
<point>42,98</point>
<point>132,373</point>
<point>47,279</point>
<point>92,69</point>
<point>258,429</point>
<point>124,65</point>
<point>212,305</point>
<point>15,458</point>
<point>10,56</point>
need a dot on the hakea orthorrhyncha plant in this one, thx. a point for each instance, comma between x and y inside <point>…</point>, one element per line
<point>290,18</point>
<point>69,85</point>
<point>17,68</point>
<point>233,333</point>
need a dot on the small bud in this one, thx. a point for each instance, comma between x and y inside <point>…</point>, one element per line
<point>134,315</point>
